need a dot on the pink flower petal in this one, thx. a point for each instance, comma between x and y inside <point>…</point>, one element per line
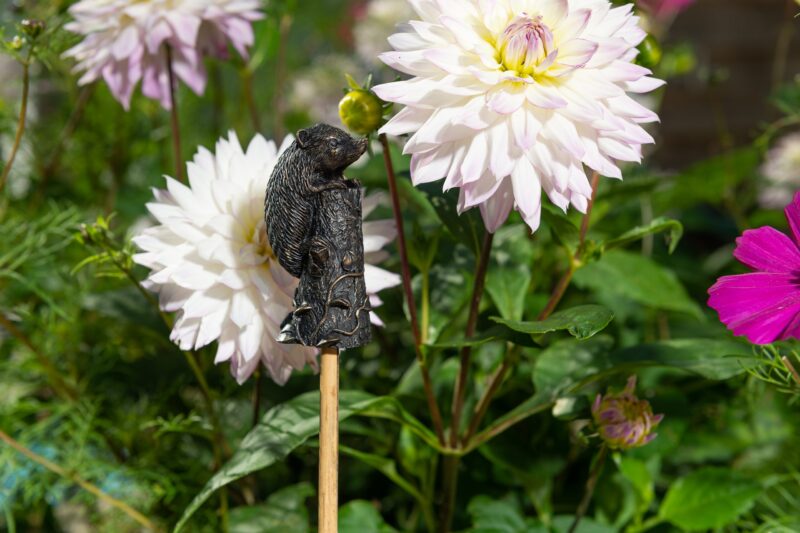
<point>768,250</point>
<point>760,306</point>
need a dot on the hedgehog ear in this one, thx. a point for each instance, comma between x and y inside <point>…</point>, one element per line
<point>303,138</point>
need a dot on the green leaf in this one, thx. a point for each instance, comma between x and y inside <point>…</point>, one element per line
<point>467,228</point>
<point>284,510</point>
<point>385,466</point>
<point>581,322</point>
<point>708,181</point>
<point>360,516</point>
<point>289,425</point>
<point>711,358</point>
<point>658,225</point>
<point>561,226</point>
<point>533,405</point>
<point>509,275</point>
<point>635,471</point>
<point>561,524</point>
<point>709,498</point>
<point>567,362</point>
<point>638,278</point>
<point>490,515</point>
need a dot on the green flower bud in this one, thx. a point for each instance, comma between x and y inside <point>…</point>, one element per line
<point>361,111</point>
<point>16,43</point>
<point>649,52</point>
<point>33,27</point>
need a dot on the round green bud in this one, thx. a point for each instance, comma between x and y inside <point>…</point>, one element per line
<point>16,43</point>
<point>649,52</point>
<point>361,111</point>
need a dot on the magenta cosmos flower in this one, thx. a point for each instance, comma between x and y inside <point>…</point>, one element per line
<point>764,305</point>
<point>126,41</point>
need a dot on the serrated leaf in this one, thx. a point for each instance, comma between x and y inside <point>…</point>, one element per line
<point>638,278</point>
<point>581,322</point>
<point>658,225</point>
<point>709,498</point>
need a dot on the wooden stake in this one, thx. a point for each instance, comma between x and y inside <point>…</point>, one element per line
<point>329,441</point>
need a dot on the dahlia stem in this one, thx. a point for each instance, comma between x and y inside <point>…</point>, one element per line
<point>173,119</point>
<point>451,464</point>
<point>460,389</point>
<point>257,398</point>
<point>558,292</point>
<point>436,415</point>
<point>594,475</point>
<point>247,87</point>
<point>85,485</point>
<point>491,389</point>
<point>23,112</point>
<point>563,283</point>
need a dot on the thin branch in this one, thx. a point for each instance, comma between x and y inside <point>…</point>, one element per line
<point>57,382</point>
<point>460,389</point>
<point>561,287</point>
<point>257,397</point>
<point>247,88</point>
<point>23,112</point>
<point>790,367</point>
<point>122,506</point>
<point>173,119</point>
<point>436,415</point>
<point>594,475</point>
<point>72,125</point>
<point>563,283</point>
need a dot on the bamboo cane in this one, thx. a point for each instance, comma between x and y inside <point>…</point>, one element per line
<point>329,441</point>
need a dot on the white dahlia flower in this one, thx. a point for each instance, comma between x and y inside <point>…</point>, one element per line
<point>125,41</point>
<point>509,97</point>
<point>781,169</point>
<point>212,264</point>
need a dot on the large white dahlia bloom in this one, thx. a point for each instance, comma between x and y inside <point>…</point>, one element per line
<point>211,262</point>
<point>512,97</point>
<point>125,41</point>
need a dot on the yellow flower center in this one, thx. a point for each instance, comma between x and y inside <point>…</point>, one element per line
<point>526,46</point>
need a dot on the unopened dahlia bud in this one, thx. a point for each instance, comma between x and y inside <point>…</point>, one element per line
<point>361,111</point>
<point>623,420</point>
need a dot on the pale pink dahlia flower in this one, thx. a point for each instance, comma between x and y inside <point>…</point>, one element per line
<point>509,97</point>
<point>125,41</point>
<point>211,262</point>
